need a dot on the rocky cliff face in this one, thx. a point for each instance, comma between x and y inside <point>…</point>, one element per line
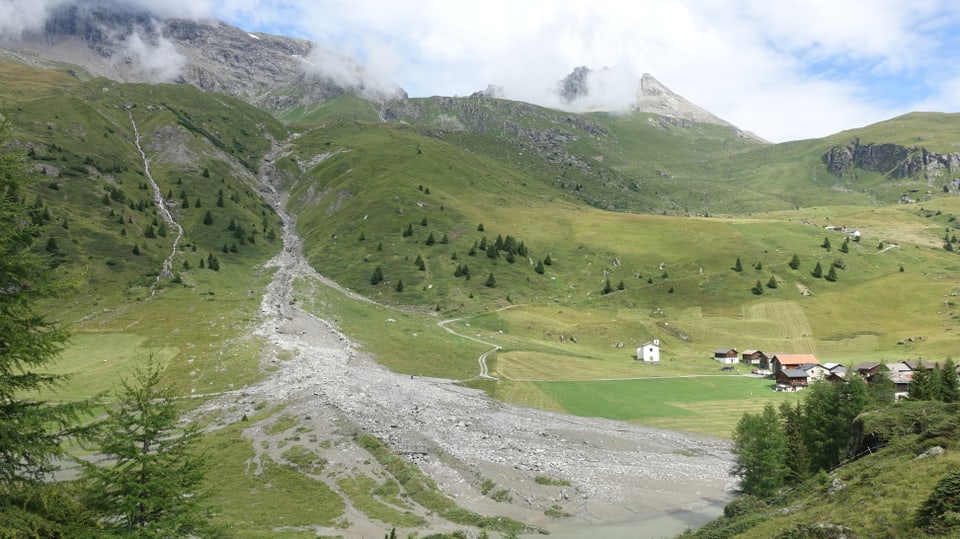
<point>891,159</point>
<point>124,43</point>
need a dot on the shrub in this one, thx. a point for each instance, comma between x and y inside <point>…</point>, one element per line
<point>939,512</point>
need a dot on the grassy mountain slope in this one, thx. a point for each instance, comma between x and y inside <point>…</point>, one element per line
<point>92,193</point>
<point>689,201</point>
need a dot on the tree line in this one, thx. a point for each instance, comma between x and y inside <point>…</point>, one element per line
<point>779,448</point>
<point>149,484</point>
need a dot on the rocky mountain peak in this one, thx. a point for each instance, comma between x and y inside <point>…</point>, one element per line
<point>121,42</point>
<point>653,96</point>
<point>614,89</point>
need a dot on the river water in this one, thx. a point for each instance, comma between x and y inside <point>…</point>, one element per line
<point>656,527</point>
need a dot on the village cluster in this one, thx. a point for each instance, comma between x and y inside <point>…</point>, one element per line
<point>793,372</point>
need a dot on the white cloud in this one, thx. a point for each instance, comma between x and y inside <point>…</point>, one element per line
<point>158,59</point>
<point>787,69</point>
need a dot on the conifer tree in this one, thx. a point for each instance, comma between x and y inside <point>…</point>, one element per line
<point>831,274</point>
<point>547,261</point>
<point>208,218</point>
<point>152,484</point>
<point>826,243</point>
<point>760,450</point>
<point>399,287</point>
<point>772,283</point>
<point>607,287</point>
<point>737,266</point>
<point>817,271</point>
<point>491,282</point>
<point>377,276</point>
<point>798,458</point>
<point>794,262</point>
<point>757,288</point>
<point>949,384</point>
<point>539,267</point>
<point>32,430</point>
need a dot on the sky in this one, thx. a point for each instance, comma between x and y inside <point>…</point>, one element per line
<point>783,69</point>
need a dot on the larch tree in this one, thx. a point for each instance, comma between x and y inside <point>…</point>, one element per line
<point>760,453</point>
<point>152,486</point>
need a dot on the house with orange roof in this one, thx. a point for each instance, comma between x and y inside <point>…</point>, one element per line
<point>780,362</point>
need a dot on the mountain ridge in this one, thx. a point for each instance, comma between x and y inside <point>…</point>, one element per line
<point>283,75</point>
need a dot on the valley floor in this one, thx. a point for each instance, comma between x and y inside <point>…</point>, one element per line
<point>461,438</point>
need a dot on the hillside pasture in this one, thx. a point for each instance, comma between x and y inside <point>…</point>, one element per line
<point>96,363</point>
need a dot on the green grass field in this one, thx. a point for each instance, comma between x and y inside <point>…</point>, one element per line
<point>705,404</point>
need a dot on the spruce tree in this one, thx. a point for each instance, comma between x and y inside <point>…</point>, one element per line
<point>757,288</point>
<point>772,283</point>
<point>817,271</point>
<point>794,262</point>
<point>377,276</point>
<point>539,267</point>
<point>32,430</point>
<point>826,243</point>
<point>399,287</point>
<point>547,261</point>
<point>831,274</point>
<point>208,218</point>
<point>949,384</point>
<point>491,282</point>
<point>607,287</point>
<point>737,266</point>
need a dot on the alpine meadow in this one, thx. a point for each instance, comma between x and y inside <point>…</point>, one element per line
<point>287,310</point>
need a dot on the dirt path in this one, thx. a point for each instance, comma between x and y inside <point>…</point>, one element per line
<point>617,472</point>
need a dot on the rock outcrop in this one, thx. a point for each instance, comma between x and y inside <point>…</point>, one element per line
<point>892,160</point>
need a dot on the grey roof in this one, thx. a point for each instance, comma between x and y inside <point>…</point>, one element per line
<point>794,373</point>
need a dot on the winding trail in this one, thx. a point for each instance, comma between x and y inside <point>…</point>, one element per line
<point>482,359</point>
<point>461,437</point>
<point>167,271</point>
